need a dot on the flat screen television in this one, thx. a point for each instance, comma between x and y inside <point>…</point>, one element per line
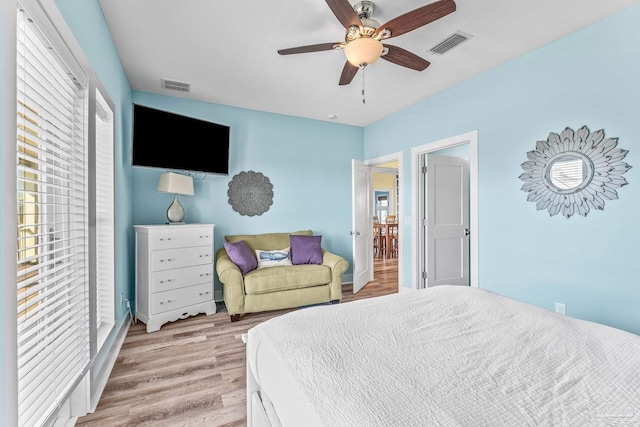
<point>173,141</point>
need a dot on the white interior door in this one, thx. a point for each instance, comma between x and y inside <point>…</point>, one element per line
<point>362,226</point>
<point>447,220</point>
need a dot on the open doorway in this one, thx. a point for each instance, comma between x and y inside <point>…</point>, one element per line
<point>386,209</point>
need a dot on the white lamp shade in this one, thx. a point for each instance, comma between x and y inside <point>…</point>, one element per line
<point>363,50</point>
<point>175,183</point>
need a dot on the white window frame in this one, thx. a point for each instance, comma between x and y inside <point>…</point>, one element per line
<point>102,201</point>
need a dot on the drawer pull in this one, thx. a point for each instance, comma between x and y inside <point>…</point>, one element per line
<point>167,281</point>
<point>204,256</point>
<point>168,260</point>
<point>168,301</point>
<point>204,293</point>
<point>163,239</point>
<point>205,274</point>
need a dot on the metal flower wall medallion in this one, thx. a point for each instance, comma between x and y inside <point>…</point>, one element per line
<point>574,172</point>
<point>250,193</point>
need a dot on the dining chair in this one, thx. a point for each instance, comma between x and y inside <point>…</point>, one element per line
<point>393,239</point>
<point>378,240</point>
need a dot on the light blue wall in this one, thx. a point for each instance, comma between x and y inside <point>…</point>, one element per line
<point>307,161</point>
<point>588,78</point>
<point>86,21</point>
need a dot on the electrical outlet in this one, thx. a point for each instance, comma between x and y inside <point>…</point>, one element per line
<point>121,298</point>
<point>560,308</point>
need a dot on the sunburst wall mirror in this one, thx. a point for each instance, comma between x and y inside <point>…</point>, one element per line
<point>574,172</point>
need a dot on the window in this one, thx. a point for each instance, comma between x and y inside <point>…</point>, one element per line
<point>65,199</point>
<point>381,207</point>
<point>105,279</point>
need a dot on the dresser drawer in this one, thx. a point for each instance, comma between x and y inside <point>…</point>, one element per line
<point>179,237</point>
<point>181,298</point>
<point>176,278</point>
<point>177,258</point>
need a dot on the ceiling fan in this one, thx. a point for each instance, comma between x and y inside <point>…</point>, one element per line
<point>363,41</point>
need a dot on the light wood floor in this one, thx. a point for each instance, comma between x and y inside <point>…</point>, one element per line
<point>192,372</point>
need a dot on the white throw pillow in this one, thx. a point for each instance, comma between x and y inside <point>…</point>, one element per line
<point>273,258</point>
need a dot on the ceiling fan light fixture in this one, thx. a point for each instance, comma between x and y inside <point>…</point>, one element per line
<point>363,51</point>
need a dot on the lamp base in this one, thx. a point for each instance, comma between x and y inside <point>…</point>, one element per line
<point>175,213</point>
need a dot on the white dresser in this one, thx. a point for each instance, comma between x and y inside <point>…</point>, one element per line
<point>174,272</point>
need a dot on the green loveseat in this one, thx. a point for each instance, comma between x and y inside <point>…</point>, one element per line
<point>281,287</point>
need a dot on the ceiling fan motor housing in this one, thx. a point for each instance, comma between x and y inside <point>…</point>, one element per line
<point>364,9</point>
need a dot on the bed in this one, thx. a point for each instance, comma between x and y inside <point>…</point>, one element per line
<point>444,356</point>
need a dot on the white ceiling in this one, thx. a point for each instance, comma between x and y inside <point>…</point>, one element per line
<point>227,50</point>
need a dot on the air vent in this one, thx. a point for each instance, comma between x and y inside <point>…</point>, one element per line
<point>450,42</point>
<point>176,85</point>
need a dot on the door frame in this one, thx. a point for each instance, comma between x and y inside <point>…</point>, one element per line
<point>397,156</point>
<point>417,203</point>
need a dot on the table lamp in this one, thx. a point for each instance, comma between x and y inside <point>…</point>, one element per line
<point>177,184</point>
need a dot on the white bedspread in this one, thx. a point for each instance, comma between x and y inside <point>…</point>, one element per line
<point>446,356</point>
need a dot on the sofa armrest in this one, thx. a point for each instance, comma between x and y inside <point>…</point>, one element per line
<point>232,282</point>
<point>338,266</point>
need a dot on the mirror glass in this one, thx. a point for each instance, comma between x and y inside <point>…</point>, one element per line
<point>567,172</point>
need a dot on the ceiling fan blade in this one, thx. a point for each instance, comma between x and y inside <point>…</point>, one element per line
<point>403,57</point>
<point>418,17</point>
<point>345,13</point>
<point>309,48</point>
<point>348,73</point>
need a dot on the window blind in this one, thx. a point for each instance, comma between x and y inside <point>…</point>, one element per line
<point>105,233</point>
<point>52,258</point>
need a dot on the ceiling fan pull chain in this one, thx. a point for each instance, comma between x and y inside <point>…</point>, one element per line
<point>363,100</point>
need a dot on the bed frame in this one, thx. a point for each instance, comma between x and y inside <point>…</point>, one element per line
<point>256,411</point>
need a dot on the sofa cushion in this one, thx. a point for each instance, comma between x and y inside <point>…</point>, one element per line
<point>241,256</point>
<point>306,249</point>
<point>265,280</point>
<point>273,258</point>
<point>267,241</point>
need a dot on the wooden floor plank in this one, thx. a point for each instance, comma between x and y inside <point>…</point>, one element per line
<point>192,372</point>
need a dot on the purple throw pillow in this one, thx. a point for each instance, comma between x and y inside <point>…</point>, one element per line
<point>241,255</point>
<point>306,249</point>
